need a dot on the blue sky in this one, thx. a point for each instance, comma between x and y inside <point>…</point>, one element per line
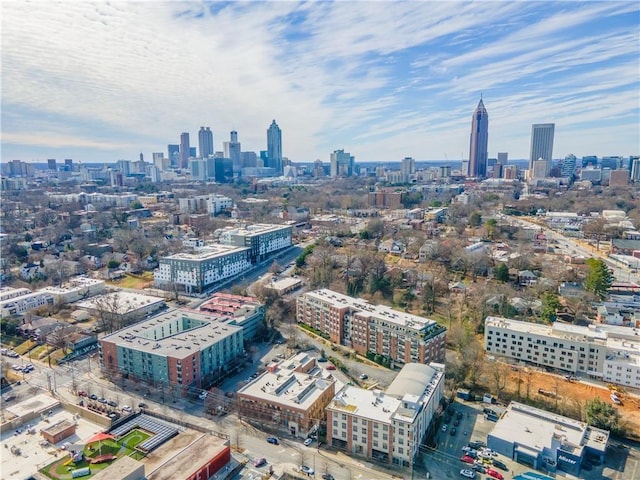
<point>98,82</point>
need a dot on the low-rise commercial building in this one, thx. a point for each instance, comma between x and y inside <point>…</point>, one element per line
<point>118,309</point>
<point>291,395</point>
<point>387,427</point>
<point>378,329</point>
<point>606,352</point>
<point>75,289</point>
<point>180,348</point>
<point>546,440</point>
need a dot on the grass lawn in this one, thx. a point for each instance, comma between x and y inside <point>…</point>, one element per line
<point>142,281</point>
<point>24,347</point>
<point>134,438</point>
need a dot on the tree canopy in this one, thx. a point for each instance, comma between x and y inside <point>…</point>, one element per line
<point>603,415</point>
<point>599,278</point>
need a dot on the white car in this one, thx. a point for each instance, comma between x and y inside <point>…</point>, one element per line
<point>307,470</point>
<point>308,442</point>
<point>468,473</point>
<point>127,409</point>
<point>203,395</point>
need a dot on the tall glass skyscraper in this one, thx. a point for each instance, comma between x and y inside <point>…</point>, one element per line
<point>479,142</point>
<point>185,150</point>
<point>274,147</point>
<point>541,143</point>
<point>205,142</point>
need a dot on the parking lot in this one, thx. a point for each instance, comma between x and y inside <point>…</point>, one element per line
<point>622,461</point>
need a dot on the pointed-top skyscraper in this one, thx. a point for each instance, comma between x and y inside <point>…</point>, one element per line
<point>479,142</point>
<point>274,147</point>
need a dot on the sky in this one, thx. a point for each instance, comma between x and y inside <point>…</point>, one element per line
<point>383,80</point>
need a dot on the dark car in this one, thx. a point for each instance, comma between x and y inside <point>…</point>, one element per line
<point>102,400</point>
<point>93,396</point>
<point>143,405</point>
<point>112,403</point>
<point>500,465</point>
<point>459,415</point>
<point>476,444</point>
<point>456,423</point>
<point>327,476</point>
<point>452,431</point>
<point>260,462</point>
<point>322,360</point>
<point>273,440</point>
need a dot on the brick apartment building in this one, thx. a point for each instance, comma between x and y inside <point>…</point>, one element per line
<point>355,323</point>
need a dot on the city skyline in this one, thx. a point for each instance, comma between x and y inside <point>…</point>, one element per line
<point>331,76</point>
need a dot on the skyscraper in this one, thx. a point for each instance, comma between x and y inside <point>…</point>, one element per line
<point>479,142</point>
<point>232,151</point>
<point>342,163</point>
<point>205,142</point>
<point>408,168</point>
<point>542,143</point>
<point>185,150</point>
<point>173,151</point>
<point>274,147</point>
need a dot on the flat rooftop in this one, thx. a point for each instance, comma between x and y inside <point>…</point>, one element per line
<point>35,452</point>
<point>368,404</point>
<point>74,284</point>
<point>207,253</point>
<point>253,230</point>
<point>175,333</point>
<point>126,302</point>
<point>288,388</point>
<point>535,429</point>
<point>378,311</point>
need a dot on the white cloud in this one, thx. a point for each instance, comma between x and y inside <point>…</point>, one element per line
<point>382,79</point>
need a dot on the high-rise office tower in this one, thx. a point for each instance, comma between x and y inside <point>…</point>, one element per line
<point>569,165</point>
<point>408,168</point>
<point>205,142</point>
<point>173,152</point>
<point>51,164</point>
<point>479,142</point>
<point>542,143</point>
<point>232,151</point>
<point>185,150</point>
<point>193,152</point>
<point>342,164</point>
<point>274,147</point>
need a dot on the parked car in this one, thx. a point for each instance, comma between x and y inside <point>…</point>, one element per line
<point>478,467</point>
<point>459,415</point>
<point>272,440</point>
<point>456,423</point>
<point>203,395</point>
<point>322,360</point>
<point>17,368</point>
<point>307,470</point>
<point>468,473</point>
<point>331,367</point>
<point>112,403</point>
<point>143,405</point>
<point>477,444</point>
<point>127,409</point>
<point>308,442</point>
<point>260,462</point>
<point>229,394</point>
<point>453,431</point>
<point>500,465</point>
<point>444,428</point>
<point>93,396</point>
<point>495,474</point>
<point>102,400</point>
<point>364,376</point>
<point>467,459</point>
<point>82,393</point>
<point>328,476</point>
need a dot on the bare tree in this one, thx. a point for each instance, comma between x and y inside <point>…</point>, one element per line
<point>499,374</point>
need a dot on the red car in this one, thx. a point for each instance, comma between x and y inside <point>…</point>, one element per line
<point>82,393</point>
<point>494,473</point>
<point>467,459</point>
<point>331,367</point>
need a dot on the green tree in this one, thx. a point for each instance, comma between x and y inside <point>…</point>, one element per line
<point>501,272</point>
<point>490,225</point>
<point>113,264</point>
<point>136,205</point>
<point>550,305</point>
<point>28,237</point>
<point>603,415</point>
<point>475,219</point>
<point>599,278</point>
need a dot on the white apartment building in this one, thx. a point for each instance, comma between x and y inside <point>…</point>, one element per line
<point>261,239</point>
<point>7,293</point>
<point>198,271</point>
<point>605,352</point>
<point>75,289</point>
<point>387,426</point>
<point>212,204</point>
<point>24,303</point>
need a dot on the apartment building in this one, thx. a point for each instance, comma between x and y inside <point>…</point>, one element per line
<point>24,303</point>
<point>262,240</point>
<point>606,352</point>
<point>291,395</point>
<point>197,272</point>
<point>75,289</point>
<point>179,348</point>
<point>356,323</point>
<point>390,426</point>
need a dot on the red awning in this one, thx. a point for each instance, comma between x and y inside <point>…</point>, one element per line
<point>98,437</point>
